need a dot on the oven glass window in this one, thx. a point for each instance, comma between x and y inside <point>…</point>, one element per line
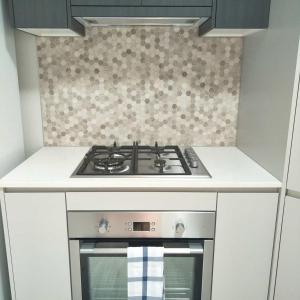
<point>105,277</point>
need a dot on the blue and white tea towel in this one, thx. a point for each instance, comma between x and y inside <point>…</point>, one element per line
<point>145,273</point>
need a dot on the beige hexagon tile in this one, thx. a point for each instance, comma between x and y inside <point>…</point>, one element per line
<point>139,83</point>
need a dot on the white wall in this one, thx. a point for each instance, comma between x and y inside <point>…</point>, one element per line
<point>268,72</point>
<point>27,64</point>
<point>11,135</point>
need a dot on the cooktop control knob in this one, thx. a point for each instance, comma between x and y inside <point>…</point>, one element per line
<point>103,226</point>
<point>191,157</point>
<point>180,228</point>
<point>194,163</point>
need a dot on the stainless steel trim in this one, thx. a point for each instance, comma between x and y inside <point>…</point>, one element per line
<point>200,170</point>
<point>141,21</point>
<point>75,270</point>
<point>199,225</point>
<point>197,173</point>
<point>193,176</point>
<point>207,270</point>
<point>193,249</point>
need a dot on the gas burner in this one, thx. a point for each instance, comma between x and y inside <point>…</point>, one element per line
<point>160,163</point>
<point>113,162</point>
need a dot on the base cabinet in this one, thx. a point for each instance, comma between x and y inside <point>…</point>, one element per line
<point>38,254</point>
<point>38,242</point>
<point>288,273</point>
<point>243,246</point>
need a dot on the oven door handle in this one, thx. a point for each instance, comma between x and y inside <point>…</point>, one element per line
<point>92,249</point>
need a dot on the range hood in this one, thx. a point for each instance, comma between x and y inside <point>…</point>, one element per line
<point>141,21</point>
<point>92,15</point>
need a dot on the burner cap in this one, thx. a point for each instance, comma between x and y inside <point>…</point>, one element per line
<point>111,162</point>
<point>159,163</point>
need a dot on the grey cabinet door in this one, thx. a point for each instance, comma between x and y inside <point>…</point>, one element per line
<point>177,2</point>
<point>139,11</point>
<point>40,13</point>
<point>242,13</point>
<point>107,2</point>
<point>288,273</point>
<point>143,2</point>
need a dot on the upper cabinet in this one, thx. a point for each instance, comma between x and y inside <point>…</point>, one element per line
<point>177,2</point>
<point>69,17</point>
<point>143,2</point>
<point>242,14</point>
<point>239,17</point>
<point>107,2</point>
<point>45,17</point>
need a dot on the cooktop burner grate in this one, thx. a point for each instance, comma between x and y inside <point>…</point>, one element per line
<point>133,160</point>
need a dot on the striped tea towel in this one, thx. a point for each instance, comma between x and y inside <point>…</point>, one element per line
<point>145,273</point>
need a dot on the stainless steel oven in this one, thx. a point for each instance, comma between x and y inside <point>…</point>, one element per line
<point>98,249</point>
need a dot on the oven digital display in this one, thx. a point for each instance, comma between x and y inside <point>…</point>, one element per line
<point>141,226</point>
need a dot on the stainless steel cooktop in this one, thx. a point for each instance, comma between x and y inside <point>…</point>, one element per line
<point>140,160</point>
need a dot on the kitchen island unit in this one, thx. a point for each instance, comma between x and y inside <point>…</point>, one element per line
<point>37,196</point>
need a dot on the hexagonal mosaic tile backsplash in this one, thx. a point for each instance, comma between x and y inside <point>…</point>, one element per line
<point>139,83</point>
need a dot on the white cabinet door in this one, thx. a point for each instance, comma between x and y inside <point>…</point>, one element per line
<point>243,246</point>
<point>37,228</point>
<point>294,168</point>
<point>288,274</point>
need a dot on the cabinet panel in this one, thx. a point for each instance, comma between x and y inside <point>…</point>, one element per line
<point>104,201</point>
<point>139,11</point>
<point>294,169</point>
<point>38,239</point>
<point>243,247</point>
<point>242,13</point>
<point>107,2</point>
<point>288,274</point>
<point>177,2</point>
<point>40,13</point>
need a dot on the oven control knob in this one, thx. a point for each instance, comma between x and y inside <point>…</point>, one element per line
<point>103,226</point>
<point>180,228</point>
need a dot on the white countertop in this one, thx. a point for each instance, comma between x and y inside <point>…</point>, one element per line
<point>51,168</point>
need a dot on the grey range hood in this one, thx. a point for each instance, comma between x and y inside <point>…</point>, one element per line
<point>134,21</point>
<point>95,15</point>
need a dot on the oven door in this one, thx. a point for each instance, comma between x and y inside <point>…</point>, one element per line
<point>99,270</point>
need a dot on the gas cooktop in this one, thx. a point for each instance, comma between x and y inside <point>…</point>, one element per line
<point>139,160</point>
